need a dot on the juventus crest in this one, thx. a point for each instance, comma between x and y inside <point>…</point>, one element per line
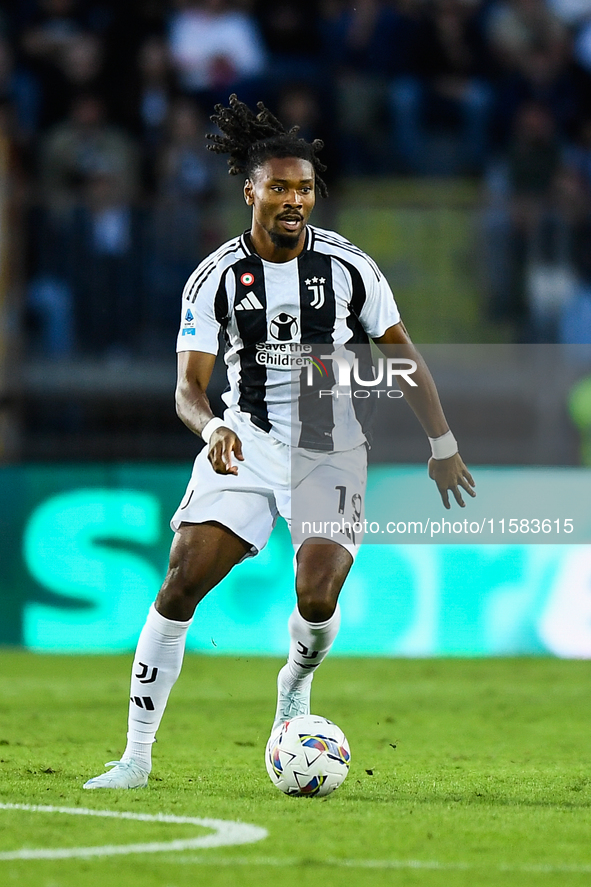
<point>316,287</point>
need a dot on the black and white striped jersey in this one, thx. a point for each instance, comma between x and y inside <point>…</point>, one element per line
<point>330,295</point>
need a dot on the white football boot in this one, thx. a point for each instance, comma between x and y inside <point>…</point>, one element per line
<point>125,774</point>
<point>291,703</point>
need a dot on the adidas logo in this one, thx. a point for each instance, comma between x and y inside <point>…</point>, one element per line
<point>248,303</point>
<point>146,703</point>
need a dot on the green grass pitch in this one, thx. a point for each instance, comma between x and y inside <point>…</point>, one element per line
<point>464,772</point>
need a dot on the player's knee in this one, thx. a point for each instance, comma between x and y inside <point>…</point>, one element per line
<point>316,604</point>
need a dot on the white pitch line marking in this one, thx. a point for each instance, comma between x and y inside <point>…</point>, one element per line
<point>225,833</point>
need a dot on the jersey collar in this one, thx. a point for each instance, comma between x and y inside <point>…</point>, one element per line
<point>246,242</point>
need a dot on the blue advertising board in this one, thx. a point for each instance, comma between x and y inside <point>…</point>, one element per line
<point>83,550</point>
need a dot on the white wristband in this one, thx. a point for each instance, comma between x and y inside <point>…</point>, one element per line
<point>210,427</point>
<point>443,447</point>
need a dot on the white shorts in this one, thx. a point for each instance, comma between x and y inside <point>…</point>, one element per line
<point>325,490</point>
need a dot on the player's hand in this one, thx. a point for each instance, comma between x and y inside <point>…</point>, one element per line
<point>451,474</point>
<point>223,446</point>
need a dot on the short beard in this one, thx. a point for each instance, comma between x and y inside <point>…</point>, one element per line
<point>284,241</point>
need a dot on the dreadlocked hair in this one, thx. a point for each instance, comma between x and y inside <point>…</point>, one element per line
<point>251,139</point>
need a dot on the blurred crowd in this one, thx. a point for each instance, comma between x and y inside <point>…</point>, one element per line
<point>105,104</point>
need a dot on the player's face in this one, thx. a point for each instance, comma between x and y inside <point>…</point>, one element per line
<point>282,195</point>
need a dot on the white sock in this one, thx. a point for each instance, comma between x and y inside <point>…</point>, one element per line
<point>310,644</point>
<point>156,666</point>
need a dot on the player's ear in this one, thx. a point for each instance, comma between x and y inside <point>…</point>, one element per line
<point>248,192</point>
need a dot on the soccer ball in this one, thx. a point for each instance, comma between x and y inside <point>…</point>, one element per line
<point>308,756</point>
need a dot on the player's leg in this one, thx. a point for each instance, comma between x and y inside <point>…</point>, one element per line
<point>321,569</point>
<point>201,555</point>
<point>327,496</point>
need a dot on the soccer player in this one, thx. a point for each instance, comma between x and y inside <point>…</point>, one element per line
<point>285,283</point>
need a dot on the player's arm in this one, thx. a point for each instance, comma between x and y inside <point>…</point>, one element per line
<point>448,473</point>
<point>194,369</point>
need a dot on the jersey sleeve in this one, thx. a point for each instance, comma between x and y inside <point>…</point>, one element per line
<point>199,330</point>
<point>379,311</point>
